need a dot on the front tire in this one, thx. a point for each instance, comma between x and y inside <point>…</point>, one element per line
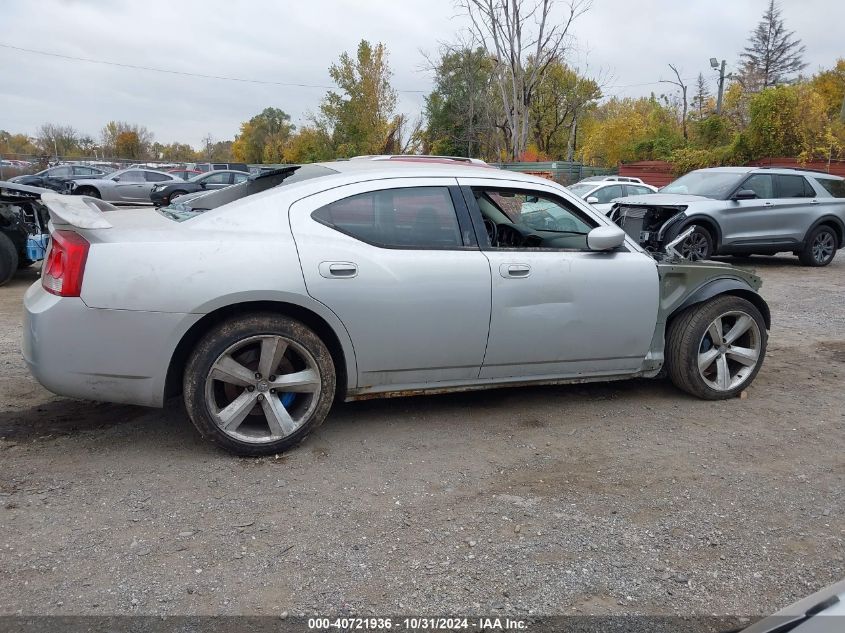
<point>820,247</point>
<point>715,349</point>
<point>258,385</point>
<point>88,191</point>
<point>698,245</point>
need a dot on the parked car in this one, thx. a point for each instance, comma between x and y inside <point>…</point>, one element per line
<point>184,174</point>
<point>602,193</point>
<point>266,301</point>
<point>23,228</point>
<point>126,185</point>
<point>164,193</point>
<point>56,177</point>
<point>204,167</point>
<point>742,211</point>
<point>612,179</point>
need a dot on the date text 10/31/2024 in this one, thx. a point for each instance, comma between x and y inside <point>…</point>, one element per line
<point>418,624</point>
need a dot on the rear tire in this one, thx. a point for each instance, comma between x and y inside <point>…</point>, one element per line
<point>259,384</point>
<point>8,259</point>
<point>88,191</point>
<point>715,349</point>
<point>820,247</point>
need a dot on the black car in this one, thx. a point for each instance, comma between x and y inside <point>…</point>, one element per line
<point>55,177</point>
<point>23,228</point>
<point>163,194</point>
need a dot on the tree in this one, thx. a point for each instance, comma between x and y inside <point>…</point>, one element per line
<point>310,144</point>
<point>271,127</point>
<point>773,53</point>
<point>458,112</point>
<point>684,103</point>
<point>57,140</point>
<point>359,118</point>
<point>522,37</point>
<point>16,144</point>
<point>702,96</point>
<point>830,84</point>
<point>560,97</point>
<point>137,139</point>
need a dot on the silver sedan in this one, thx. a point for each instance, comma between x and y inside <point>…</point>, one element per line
<point>127,185</point>
<point>264,302</point>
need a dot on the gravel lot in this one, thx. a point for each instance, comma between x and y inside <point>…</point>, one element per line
<point>618,498</point>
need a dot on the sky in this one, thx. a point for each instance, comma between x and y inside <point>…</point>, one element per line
<point>627,45</point>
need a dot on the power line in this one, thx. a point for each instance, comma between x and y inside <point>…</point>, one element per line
<point>179,72</point>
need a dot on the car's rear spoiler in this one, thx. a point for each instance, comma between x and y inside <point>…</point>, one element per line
<point>83,212</point>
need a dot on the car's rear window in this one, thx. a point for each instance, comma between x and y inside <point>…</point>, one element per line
<point>834,186</point>
<point>192,205</point>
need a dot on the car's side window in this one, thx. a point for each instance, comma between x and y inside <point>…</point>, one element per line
<point>761,184</point>
<point>637,190</point>
<point>835,188</point>
<point>60,172</point>
<point>132,176</point>
<point>218,179</point>
<point>240,177</point>
<point>152,176</point>
<point>83,171</point>
<point>606,194</point>
<point>793,187</point>
<point>531,219</point>
<point>409,217</point>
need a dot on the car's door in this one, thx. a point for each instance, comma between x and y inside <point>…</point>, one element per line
<point>398,262</point>
<point>216,181</point>
<point>793,210</point>
<point>558,309</point>
<point>130,186</point>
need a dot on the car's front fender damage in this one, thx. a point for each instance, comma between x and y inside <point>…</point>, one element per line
<point>684,284</point>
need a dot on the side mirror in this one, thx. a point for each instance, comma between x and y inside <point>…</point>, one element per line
<point>203,184</point>
<point>116,178</point>
<point>605,238</point>
<point>745,194</point>
<point>593,200</point>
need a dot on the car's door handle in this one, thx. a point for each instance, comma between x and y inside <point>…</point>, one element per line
<point>768,204</point>
<point>338,270</point>
<point>514,271</point>
<point>814,202</point>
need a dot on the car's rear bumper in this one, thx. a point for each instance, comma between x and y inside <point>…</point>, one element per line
<point>96,354</point>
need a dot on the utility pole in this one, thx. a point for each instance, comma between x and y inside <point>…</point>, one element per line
<point>714,64</point>
<point>842,111</point>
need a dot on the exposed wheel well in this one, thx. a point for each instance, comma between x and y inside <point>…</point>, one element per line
<point>81,190</point>
<point>173,384</point>
<point>749,295</point>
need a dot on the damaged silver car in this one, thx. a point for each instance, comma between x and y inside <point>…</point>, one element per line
<point>264,302</point>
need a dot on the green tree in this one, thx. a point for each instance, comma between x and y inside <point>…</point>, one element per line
<point>359,117</point>
<point>458,113</point>
<point>773,54</point>
<point>310,144</point>
<point>18,144</point>
<point>271,127</point>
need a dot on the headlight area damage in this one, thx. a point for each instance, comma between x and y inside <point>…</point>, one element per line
<point>652,227</point>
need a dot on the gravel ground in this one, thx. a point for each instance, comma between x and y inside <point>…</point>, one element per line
<point>618,498</point>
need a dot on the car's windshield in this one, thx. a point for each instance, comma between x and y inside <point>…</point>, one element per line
<point>191,206</point>
<point>581,190</point>
<point>710,184</point>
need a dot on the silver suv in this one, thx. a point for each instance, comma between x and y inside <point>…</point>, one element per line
<point>742,211</point>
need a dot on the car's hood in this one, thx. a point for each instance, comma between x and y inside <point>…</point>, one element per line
<point>11,188</point>
<point>660,199</point>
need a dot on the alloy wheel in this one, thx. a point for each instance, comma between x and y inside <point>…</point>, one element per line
<point>823,247</point>
<point>263,388</point>
<point>729,350</point>
<point>695,247</point>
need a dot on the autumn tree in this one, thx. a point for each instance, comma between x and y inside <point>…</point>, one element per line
<point>561,96</point>
<point>134,138</point>
<point>310,144</point>
<point>773,54</point>
<point>359,116</point>
<point>16,144</point>
<point>522,37</point>
<point>262,138</point>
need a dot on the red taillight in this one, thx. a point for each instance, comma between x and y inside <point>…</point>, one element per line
<point>65,265</point>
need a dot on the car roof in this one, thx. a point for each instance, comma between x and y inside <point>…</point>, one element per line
<point>783,171</point>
